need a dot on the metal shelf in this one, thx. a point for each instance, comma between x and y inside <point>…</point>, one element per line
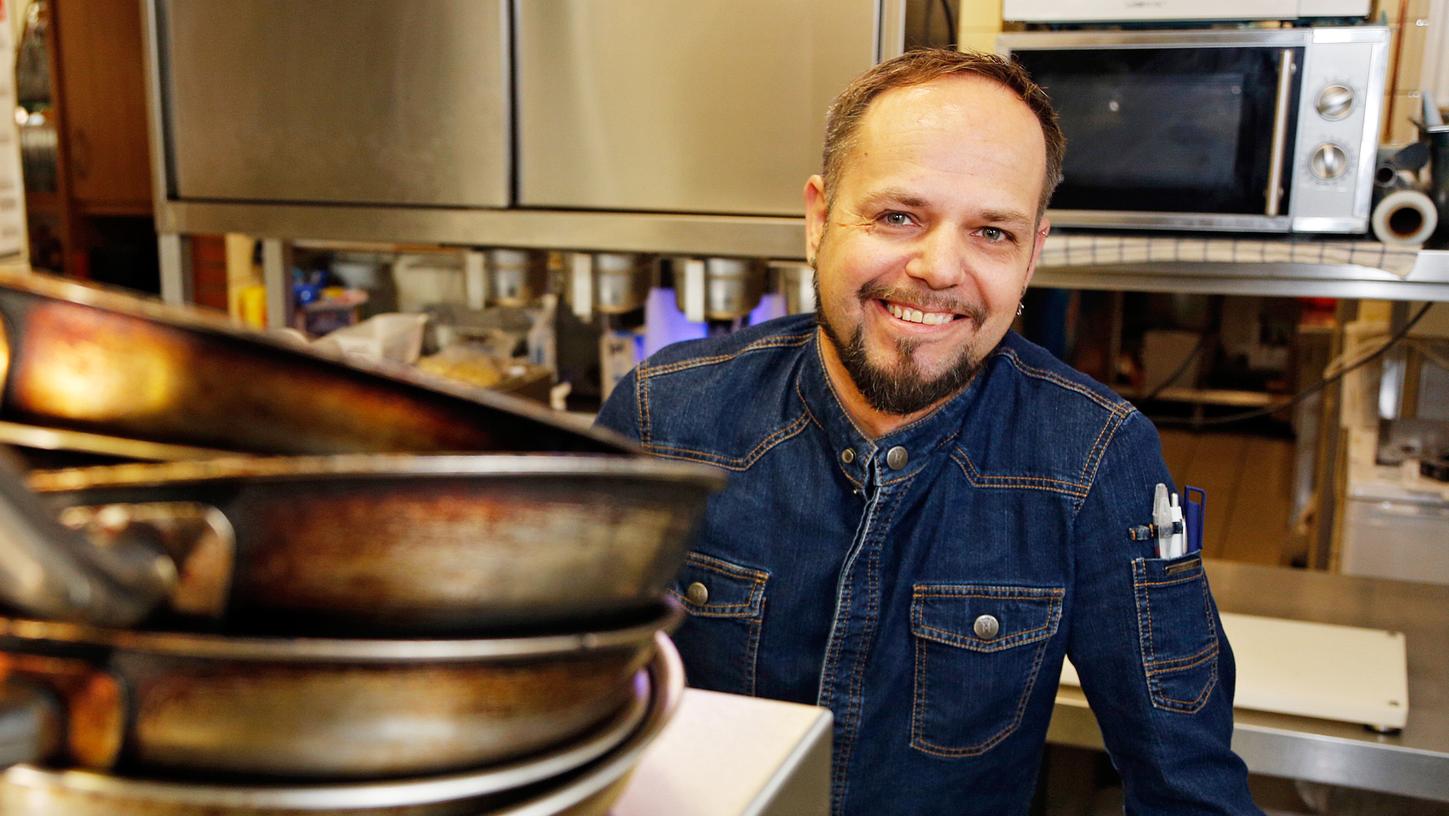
<point>1426,279</point>
<point>783,238</point>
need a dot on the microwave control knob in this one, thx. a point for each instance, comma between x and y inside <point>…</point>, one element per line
<point>1329,161</point>
<point>1335,102</point>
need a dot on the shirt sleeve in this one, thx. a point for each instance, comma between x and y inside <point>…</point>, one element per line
<point>1147,643</point>
<point>620,412</point>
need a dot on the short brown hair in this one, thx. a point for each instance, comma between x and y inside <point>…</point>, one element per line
<point>925,65</point>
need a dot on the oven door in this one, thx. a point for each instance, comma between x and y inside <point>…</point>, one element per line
<point>1168,136</point>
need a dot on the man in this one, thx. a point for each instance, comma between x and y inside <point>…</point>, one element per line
<point>925,512</point>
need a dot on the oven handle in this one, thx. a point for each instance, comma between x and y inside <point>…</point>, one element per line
<point>1286,69</point>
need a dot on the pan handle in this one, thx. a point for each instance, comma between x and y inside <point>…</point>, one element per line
<point>50,571</point>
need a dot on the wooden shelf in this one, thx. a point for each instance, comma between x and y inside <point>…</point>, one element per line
<point>1206,396</point>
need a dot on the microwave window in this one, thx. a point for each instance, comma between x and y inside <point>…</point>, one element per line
<point>1170,148</point>
<point>1151,128</point>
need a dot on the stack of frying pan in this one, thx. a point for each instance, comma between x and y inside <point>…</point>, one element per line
<point>337,589</point>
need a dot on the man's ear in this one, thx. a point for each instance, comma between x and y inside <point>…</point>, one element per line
<point>816,214</point>
<point>1044,227</point>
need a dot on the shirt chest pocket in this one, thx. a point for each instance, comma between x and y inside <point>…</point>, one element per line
<point>978,650</point>
<point>720,640</point>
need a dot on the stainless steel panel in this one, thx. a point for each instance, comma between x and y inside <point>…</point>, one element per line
<point>706,106</point>
<point>1412,763</point>
<point>1206,38</point>
<point>1169,221</point>
<point>387,101</point>
<point>761,236</point>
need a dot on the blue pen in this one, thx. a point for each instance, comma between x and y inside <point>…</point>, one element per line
<point>1194,505</point>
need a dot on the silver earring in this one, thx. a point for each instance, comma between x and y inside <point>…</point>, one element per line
<point>1019,309</point>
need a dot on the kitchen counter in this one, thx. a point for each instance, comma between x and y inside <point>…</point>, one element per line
<point>1414,762</point>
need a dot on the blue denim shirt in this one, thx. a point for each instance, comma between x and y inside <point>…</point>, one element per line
<point>926,585</point>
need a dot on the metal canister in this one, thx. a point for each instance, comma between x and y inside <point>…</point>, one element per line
<point>726,288</point>
<point>516,277</point>
<point>621,281</point>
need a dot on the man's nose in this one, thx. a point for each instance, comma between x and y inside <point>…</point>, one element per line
<point>939,260</point>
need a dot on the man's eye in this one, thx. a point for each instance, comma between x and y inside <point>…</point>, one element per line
<point>897,219</point>
<point>994,235</point>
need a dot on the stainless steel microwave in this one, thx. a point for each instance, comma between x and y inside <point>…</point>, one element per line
<point>1252,130</point>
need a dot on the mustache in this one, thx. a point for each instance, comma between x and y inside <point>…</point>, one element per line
<point>924,299</point>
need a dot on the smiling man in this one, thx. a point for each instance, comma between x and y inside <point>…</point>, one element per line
<point>927,513</point>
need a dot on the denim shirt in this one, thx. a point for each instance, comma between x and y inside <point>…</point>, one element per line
<point>926,585</point>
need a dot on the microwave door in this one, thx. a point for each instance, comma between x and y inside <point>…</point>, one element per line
<point>1172,137</point>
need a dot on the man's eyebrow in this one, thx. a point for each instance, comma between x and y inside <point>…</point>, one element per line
<point>896,196</point>
<point>1006,216</point>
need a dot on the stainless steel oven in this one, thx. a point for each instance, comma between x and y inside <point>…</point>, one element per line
<point>1253,130</point>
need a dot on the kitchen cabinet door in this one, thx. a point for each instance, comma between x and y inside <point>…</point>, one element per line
<point>102,94</point>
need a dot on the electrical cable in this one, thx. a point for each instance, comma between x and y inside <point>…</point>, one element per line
<point>1177,372</point>
<point>1306,392</point>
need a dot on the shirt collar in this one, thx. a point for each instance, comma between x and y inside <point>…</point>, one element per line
<point>901,453</point>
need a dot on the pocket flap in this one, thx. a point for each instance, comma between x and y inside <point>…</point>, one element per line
<point>985,618</point>
<point>715,588</point>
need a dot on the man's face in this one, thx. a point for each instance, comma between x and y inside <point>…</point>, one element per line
<point>930,240</point>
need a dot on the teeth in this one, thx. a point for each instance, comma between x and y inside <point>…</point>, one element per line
<point>918,316</point>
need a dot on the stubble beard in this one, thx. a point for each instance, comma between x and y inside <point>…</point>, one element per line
<point>903,388</point>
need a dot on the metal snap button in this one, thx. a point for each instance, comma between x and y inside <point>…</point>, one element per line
<point>697,593</point>
<point>896,458</point>
<point>848,455</point>
<point>986,627</point>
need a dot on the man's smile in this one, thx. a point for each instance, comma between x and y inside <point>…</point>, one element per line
<point>910,314</point>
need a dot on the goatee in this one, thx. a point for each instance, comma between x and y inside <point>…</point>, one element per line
<point>901,389</point>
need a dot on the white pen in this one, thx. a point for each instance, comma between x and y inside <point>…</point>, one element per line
<point>1162,519</point>
<point>1178,543</point>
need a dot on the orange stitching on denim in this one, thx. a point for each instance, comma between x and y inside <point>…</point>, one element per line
<point>967,457</point>
<point>753,647</point>
<point>1194,705</point>
<point>830,389</point>
<point>946,637</point>
<point>1169,665</point>
<point>641,404</point>
<point>977,479</point>
<point>736,464</point>
<point>757,579</point>
<point>1043,374</point>
<point>856,691</point>
<point>920,699</point>
<point>722,567</point>
<point>1001,593</point>
<point>737,611</point>
<point>805,405</point>
<point>1092,452</point>
<point>925,746</point>
<point>780,341</point>
<point>1152,667</point>
<point>1174,582</point>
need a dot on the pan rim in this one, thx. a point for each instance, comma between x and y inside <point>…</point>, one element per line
<point>369,466</point>
<point>665,687</point>
<point>304,650</point>
<point>114,300</point>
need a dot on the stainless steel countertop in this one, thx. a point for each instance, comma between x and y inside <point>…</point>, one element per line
<point>1412,763</point>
